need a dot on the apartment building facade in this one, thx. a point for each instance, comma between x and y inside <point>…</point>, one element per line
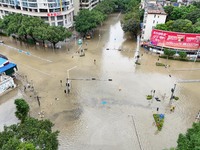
<point>154,14</point>
<point>84,4</point>
<point>54,12</point>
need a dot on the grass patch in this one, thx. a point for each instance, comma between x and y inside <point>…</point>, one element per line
<point>160,64</point>
<point>149,97</point>
<point>159,121</point>
<point>137,63</point>
<point>178,58</point>
<point>176,98</point>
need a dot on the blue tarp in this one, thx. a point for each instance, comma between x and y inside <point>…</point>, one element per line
<point>7,67</point>
<point>2,61</point>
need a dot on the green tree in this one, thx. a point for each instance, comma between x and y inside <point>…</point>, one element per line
<point>11,23</point>
<point>99,17</point>
<point>35,134</point>
<point>30,24</point>
<point>169,52</point>
<point>30,134</point>
<point>22,109</point>
<point>40,33</point>
<point>169,25</point>
<point>182,25</point>
<point>26,27</point>
<point>196,26</point>
<point>106,7</point>
<point>196,4</point>
<point>56,34</point>
<point>132,5</point>
<point>168,10</point>
<point>190,140</point>
<point>87,20</point>
<point>193,16</point>
<point>162,27</point>
<point>181,12</point>
<point>131,23</point>
<point>26,146</point>
<point>12,143</point>
<point>182,55</point>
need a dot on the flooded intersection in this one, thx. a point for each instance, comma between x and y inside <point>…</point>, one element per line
<point>100,114</point>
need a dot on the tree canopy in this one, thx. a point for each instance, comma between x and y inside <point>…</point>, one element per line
<point>169,52</point>
<point>32,27</point>
<point>31,134</point>
<point>179,25</point>
<point>182,19</point>
<point>190,140</point>
<point>132,19</point>
<point>87,20</point>
<point>22,109</point>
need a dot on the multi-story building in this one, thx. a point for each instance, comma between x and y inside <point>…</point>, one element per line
<point>84,4</point>
<point>54,12</point>
<point>154,14</point>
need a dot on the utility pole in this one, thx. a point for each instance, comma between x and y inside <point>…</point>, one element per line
<point>172,95</point>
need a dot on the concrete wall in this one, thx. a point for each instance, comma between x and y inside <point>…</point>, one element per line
<point>6,82</point>
<point>150,21</point>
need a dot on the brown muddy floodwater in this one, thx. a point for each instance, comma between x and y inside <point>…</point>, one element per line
<point>100,114</point>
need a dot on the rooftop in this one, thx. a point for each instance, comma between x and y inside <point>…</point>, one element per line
<point>153,8</point>
<point>3,62</point>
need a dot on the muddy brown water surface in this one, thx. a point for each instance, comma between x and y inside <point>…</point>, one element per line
<point>98,114</point>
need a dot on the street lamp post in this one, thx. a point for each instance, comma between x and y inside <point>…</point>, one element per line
<point>68,81</point>
<point>198,52</point>
<point>172,95</point>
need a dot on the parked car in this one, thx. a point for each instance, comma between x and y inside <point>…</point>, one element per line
<point>88,37</point>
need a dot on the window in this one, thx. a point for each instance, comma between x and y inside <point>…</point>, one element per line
<point>59,17</point>
<point>52,18</point>
<point>153,21</point>
<point>158,16</point>
<point>154,16</point>
<point>60,23</point>
<point>44,18</point>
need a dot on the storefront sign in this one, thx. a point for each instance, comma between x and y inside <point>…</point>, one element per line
<point>176,40</point>
<point>54,14</point>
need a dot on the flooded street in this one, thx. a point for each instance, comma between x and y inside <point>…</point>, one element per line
<point>100,114</point>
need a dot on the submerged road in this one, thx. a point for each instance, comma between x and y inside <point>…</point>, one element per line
<point>95,114</point>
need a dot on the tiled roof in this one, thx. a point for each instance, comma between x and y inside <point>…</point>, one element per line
<point>153,8</point>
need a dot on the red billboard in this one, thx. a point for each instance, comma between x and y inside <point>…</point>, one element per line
<point>175,40</point>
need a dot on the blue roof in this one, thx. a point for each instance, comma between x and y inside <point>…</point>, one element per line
<point>6,67</point>
<point>2,61</point>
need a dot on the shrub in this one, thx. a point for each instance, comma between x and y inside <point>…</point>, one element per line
<point>176,98</point>
<point>159,64</point>
<point>149,97</point>
<point>159,121</point>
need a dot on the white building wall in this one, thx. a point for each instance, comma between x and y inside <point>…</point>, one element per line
<point>76,7</point>
<point>6,82</point>
<point>85,5</point>
<point>50,15</point>
<point>150,21</point>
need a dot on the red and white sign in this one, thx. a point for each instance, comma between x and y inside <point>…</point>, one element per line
<point>176,40</point>
<point>54,14</point>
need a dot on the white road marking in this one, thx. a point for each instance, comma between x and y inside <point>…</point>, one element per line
<point>27,53</point>
<point>37,70</point>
